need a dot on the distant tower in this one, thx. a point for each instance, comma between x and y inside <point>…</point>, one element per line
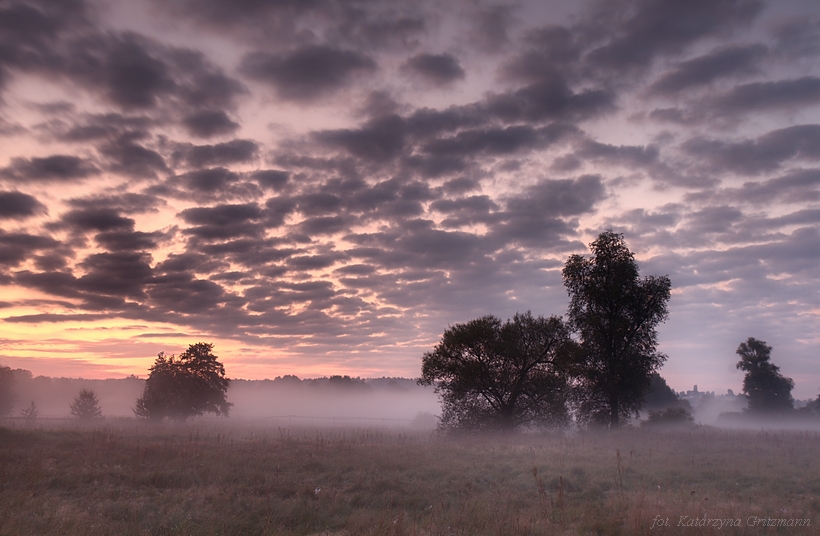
<point>696,388</point>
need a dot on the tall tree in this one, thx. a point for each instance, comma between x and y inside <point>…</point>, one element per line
<point>86,406</point>
<point>186,386</point>
<point>494,375</point>
<point>614,312</point>
<point>767,389</point>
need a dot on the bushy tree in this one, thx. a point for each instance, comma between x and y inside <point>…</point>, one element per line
<point>768,391</point>
<point>186,386</point>
<point>660,395</point>
<point>614,313</point>
<point>7,393</point>
<point>86,406</point>
<point>498,376</point>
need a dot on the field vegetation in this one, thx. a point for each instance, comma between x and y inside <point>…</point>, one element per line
<point>229,476</point>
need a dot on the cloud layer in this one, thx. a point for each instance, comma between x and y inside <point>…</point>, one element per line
<point>324,186</point>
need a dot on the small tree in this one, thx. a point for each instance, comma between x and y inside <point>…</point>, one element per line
<point>494,375</point>
<point>86,406</point>
<point>767,389</point>
<point>186,386</point>
<point>30,413</point>
<point>7,394</point>
<point>615,313</point>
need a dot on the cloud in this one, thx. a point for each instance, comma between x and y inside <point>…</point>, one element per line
<point>307,73</point>
<point>224,221</point>
<point>209,123</point>
<point>18,247</point>
<point>17,206</point>
<point>132,159</point>
<point>379,139</point>
<point>436,69</point>
<point>274,179</point>
<point>766,153</point>
<point>96,219</point>
<point>660,27</point>
<point>730,61</point>
<point>231,152</point>
<point>56,168</point>
<point>764,96</point>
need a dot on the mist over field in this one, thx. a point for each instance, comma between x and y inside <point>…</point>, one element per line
<point>341,401</point>
<point>336,400</point>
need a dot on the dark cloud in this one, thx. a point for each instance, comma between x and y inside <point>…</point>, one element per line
<point>307,73</point>
<point>795,187</point>
<point>132,159</point>
<point>15,248</point>
<point>380,30</point>
<point>436,69</point>
<point>625,155</point>
<point>209,180</point>
<point>536,216</point>
<point>798,37</point>
<point>209,123</point>
<point>549,100</point>
<point>274,179</point>
<point>552,52</point>
<point>17,206</point>
<point>491,27</point>
<point>499,141</point>
<point>763,96</point>
<point>380,139</point>
<point>127,203</point>
<point>723,62</point>
<point>224,221</point>
<point>93,127</point>
<point>638,32</point>
<point>766,153</point>
<point>56,168</point>
<point>124,240</point>
<point>231,152</point>
<point>466,210</point>
<point>96,219</point>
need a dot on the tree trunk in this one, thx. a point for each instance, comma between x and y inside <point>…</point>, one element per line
<point>614,416</point>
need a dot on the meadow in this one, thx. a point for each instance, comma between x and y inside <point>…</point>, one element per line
<point>233,476</point>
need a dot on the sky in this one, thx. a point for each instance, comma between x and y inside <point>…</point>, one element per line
<point>322,187</point>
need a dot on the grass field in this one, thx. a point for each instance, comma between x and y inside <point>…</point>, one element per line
<point>244,477</point>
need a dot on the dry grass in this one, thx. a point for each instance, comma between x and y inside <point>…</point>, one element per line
<point>234,477</point>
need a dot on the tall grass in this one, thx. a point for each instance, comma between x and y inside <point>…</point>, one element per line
<point>234,477</point>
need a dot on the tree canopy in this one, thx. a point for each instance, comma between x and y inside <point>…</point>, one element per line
<point>186,386</point>
<point>494,375</point>
<point>768,391</point>
<point>614,312</point>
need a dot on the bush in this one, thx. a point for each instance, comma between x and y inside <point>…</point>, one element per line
<point>669,417</point>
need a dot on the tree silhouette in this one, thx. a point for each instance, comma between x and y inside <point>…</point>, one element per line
<point>767,389</point>
<point>86,406</point>
<point>614,312</point>
<point>186,386</point>
<point>660,395</point>
<point>7,395</point>
<point>494,375</point>
<point>30,413</point>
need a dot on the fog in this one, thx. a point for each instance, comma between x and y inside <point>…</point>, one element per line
<point>336,400</point>
<point>345,401</point>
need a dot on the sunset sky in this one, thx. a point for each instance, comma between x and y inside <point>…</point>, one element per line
<point>322,187</point>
